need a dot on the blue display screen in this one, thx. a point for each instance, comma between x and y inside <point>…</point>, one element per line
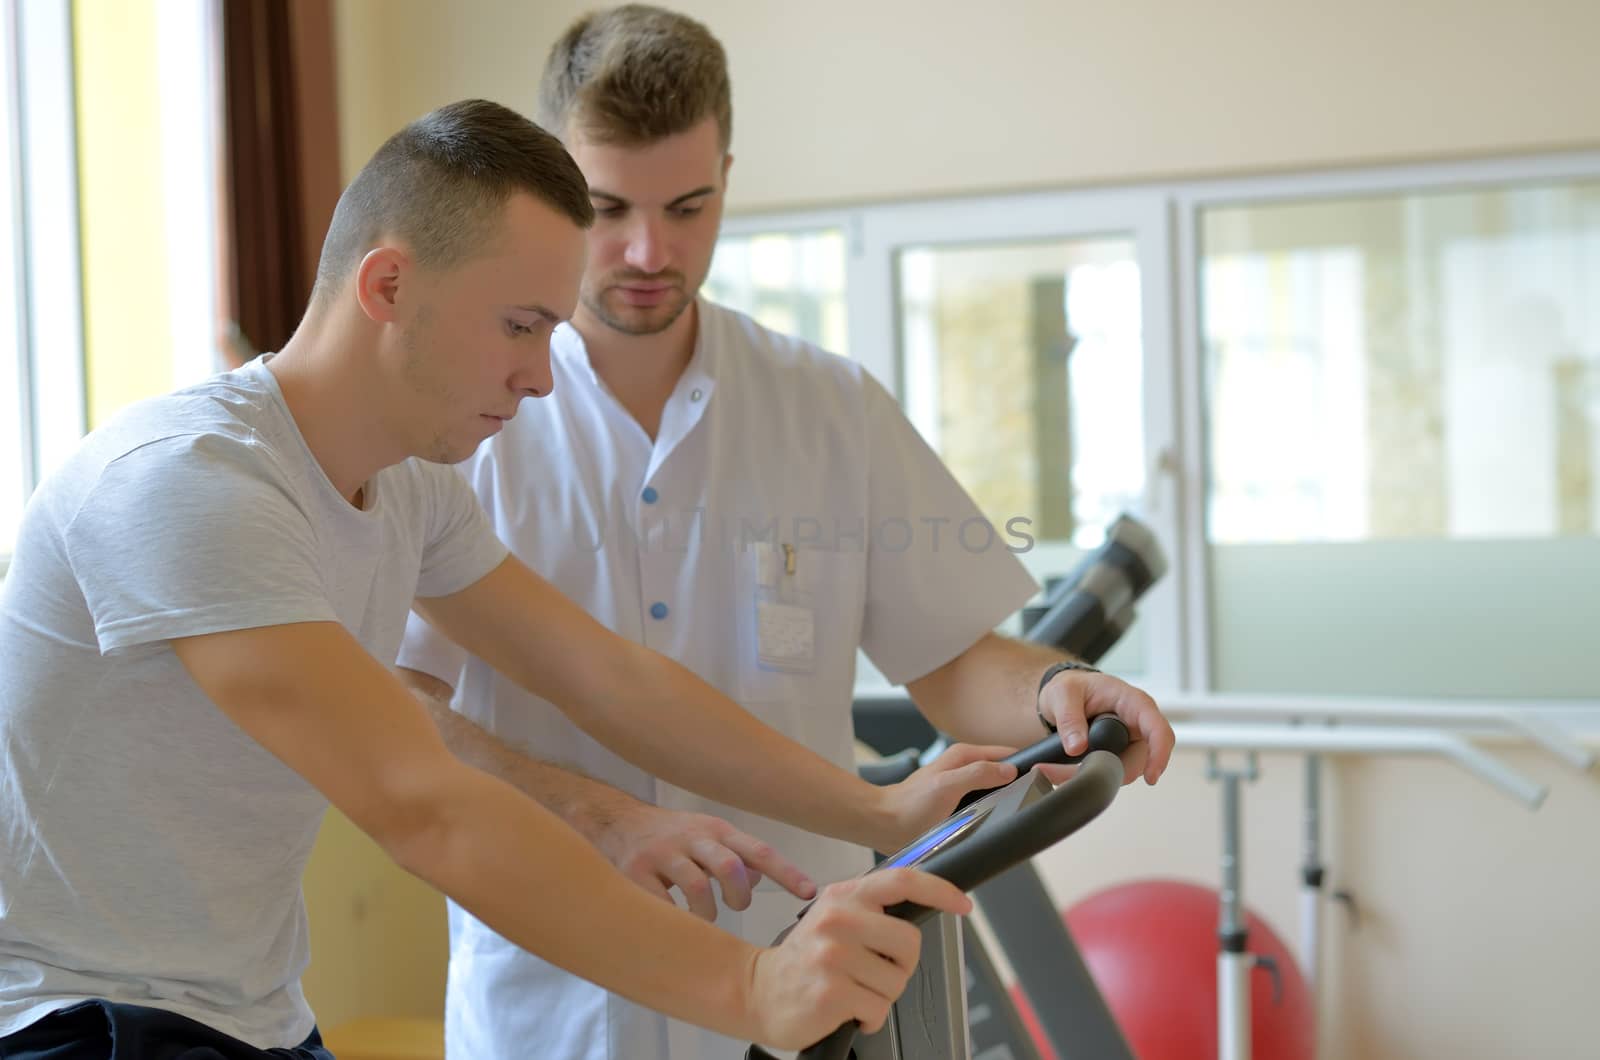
<point>937,837</point>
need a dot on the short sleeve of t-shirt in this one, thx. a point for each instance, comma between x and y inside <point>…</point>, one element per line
<point>190,535</point>
<point>939,575</point>
<point>461,546</point>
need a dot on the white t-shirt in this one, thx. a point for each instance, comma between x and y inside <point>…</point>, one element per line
<point>150,851</point>
<point>679,544</point>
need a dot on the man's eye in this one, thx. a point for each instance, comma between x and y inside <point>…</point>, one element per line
<point>686,211</point>
<point>517,328</point>
<point>608,211</point>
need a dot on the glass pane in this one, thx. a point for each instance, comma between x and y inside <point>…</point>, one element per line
<point>1425,366</point>
<point>792,282</point>
<point>1022,366</point>
<point>1403,424</point>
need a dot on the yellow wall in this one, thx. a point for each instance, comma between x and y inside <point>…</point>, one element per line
<point>126,327</point>
<point>377,933</point>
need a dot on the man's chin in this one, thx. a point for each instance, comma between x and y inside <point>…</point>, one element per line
<point>639,320</point>
<point>449,452</point>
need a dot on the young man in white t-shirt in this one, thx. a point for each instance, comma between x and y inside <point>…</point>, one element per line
<point>196,641</point>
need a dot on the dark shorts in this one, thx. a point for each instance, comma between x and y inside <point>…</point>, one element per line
<point>100,1030</point>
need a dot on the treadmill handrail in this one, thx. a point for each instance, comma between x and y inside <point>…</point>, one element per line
<point>1371,739</point>
<point>1526,719</point>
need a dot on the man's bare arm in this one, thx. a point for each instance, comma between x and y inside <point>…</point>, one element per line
<point>658,849</point>
<point>585,804</point>
<point>313,697</point>
<point>990,693</point>
<point>665,720</point>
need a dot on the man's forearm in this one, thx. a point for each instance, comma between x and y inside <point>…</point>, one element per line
<point>702,741</point>
<point>583,803</point>
<point>653,712</point>
<point>987,694</point>
<point>609,931</point>
<point>820,797</point>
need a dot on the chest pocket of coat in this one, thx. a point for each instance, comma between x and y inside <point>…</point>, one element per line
<point>798,616</point>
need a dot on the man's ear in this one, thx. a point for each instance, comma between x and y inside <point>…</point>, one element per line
<point>379,282</point>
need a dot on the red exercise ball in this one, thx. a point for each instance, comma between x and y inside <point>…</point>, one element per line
<point>1152,949</point>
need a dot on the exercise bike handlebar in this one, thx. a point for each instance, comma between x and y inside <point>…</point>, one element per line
<point>1103,736</point>
<point>1006,843</point>
<point>1106,733</point>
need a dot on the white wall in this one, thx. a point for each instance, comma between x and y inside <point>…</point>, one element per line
<point>1479,934</point>
<point>882,99</point>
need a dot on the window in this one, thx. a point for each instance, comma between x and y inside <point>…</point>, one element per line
<point>1403,367</point>
<point>1402,405</point>
<point>41,351</point>
<point>1360,410</point>
<point>1021,363</point>
<point>1022,366</point>
<point>792,282</point>
<point>123,107</point>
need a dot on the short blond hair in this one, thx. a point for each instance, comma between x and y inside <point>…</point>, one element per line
<point>635,74</point>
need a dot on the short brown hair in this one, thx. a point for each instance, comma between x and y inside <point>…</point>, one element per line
<point>441,184</point>
<point>633,75</point>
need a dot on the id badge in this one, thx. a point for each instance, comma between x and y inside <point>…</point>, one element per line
<point>786,621</point>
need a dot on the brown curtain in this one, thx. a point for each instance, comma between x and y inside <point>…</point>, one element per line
<point>281,163</point>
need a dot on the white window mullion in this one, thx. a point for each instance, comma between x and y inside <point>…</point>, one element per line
<point>1166,609</point>
<point>870,296</point>
<point>1190,458</point>
<point>50,193</point>
<point>16,411</point>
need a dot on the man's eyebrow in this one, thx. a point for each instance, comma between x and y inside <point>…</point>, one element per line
<point>548,314</point>
<point>686,196</point>
<point>596,193</point>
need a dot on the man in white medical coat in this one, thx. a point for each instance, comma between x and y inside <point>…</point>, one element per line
<point>742,502</point>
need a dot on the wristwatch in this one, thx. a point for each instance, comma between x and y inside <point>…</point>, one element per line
<point>1048,674</point>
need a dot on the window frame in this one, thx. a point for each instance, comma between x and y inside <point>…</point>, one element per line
<point>51,393</point>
